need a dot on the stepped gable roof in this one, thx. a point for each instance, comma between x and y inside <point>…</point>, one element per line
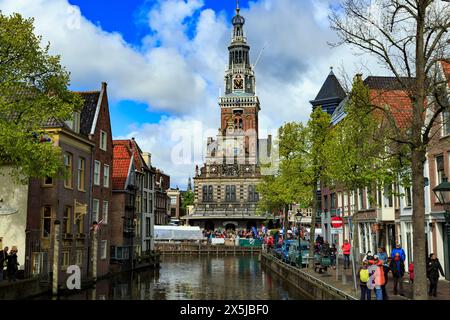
<point>87,115</point>
<point>331,89</point>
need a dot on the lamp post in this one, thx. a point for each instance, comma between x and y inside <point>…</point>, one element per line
<point>442,192</point>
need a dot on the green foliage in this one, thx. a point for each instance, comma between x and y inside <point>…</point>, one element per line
<point>303,161</point>
<point>33,90</point>
<point>187,199</point>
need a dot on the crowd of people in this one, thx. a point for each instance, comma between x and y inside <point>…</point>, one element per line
<point>374,273</point>
<point>8,261</point>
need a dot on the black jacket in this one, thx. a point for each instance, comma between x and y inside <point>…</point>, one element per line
<point>394,269</point>
<point>433,269</point>
<point>3,257</point>
<point>12,262</point>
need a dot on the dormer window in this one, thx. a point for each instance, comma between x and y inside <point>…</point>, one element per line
<point>74,123</point>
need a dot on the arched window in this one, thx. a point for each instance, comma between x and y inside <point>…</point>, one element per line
<point>210,193</point>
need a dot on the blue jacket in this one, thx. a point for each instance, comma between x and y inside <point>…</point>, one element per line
<point>383,256</point>
<point>399,251</point>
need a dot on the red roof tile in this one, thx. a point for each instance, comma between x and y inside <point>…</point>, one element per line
<point>121,164</point>
<point>399,103</point>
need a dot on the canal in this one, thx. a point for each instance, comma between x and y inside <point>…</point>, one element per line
<point>195,278</point>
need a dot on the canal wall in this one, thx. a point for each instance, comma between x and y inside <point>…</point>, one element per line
<point>310,286</point>
<point>22,289</point>
<point>167,248</point>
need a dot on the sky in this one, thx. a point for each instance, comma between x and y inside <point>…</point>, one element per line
<point>164,62</point>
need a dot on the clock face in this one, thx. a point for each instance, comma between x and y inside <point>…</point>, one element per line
<point>238,82</point>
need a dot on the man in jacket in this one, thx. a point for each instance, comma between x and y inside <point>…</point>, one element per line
<point>398,249</point>
<point>3,260</point>
<point>433,269</point>
<point>398,271</point>
<point>346,251</point>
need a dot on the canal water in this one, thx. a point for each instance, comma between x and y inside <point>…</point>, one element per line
<point>195,278</point>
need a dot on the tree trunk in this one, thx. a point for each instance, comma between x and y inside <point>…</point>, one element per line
<point>312,230</point>
<point>418,157</point>
<point>355,239</point>
<point>418,223</point>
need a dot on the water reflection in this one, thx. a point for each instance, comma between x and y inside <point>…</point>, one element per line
<point>195,278</point>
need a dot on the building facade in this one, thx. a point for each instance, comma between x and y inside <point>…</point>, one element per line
<point>162,200</point>
<point>225,187</point>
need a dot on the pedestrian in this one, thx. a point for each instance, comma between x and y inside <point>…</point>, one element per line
<point>376,278</point>
<point>383,257</point>
<point>398,249</point>
<point>363,273</point>
<point>433,269</point>
<point>346,251</point>
<point>368,256</point>
<point>3,261</point>
<point>333,251</point>
<point>411,272</point>
<point>12,265</point>
<point>398,271</point>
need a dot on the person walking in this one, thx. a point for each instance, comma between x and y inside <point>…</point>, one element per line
<point>363,274</point>
<point>346,251</point>
<point>12,265</point>
<point>398,271</point>
<point>333,252</point>
<point>3,261</point>
<point>433,269</point>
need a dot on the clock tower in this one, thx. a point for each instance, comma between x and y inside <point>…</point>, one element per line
<point>225,186</point>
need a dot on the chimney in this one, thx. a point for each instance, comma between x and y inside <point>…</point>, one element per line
<point>104,85</point>
<point>147,158</point>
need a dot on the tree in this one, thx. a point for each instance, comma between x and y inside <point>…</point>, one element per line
<point>304,159</point>
<point>187,199</point>
<point>408,38</point>
<point>33,91</point>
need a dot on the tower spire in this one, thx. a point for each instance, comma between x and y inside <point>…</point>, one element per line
<point>237,7</point>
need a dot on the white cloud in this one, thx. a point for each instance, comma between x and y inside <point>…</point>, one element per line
<point>183,73</point>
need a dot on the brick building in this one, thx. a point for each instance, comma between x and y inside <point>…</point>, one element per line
<point>162,200</point>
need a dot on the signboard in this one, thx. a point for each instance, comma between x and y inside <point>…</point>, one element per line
<point>337,222</point>
<point>336,230</point>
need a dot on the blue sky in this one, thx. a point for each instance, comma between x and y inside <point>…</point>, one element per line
<point>128,19</point>
<point>164,62</point>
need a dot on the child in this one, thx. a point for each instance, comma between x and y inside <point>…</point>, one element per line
<point>411,272</point>
<point>363,273</point>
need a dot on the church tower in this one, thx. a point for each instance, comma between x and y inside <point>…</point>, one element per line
<point>225,186</point>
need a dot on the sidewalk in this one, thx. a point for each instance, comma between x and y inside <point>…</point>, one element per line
<point>443,292</point>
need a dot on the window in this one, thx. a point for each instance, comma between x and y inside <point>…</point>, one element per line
<point>67,226</point>
<point>230,193</point>
<point>79,222</point>
<point>46,221</point>
<point>147,227</point>
<point>95,210</point>
<point>74,123</point>
<point>103,248</point>
<point>389,195</point>
<point>81,173</point>
<point>173,200</point>
<point>48,182</point>
<point>68,165</point>
<point>106,176</point>
<point>105,211</point>
<point>97,168</point>
<point>408,197</point>
<point>252,194</point>
<point>207,193</point>
<point>145,202</point>
<point>445,123</point>
<point>440,168</point>
<point>103,140</point>
<point>80,255</point>
<point>65,259</point>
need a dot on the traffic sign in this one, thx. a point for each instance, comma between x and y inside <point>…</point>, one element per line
<point>337,222</point>
<point>336,231</point>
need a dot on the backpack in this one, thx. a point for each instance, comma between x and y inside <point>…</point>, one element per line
<point>364,275</point>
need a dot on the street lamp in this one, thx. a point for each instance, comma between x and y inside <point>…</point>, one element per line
<point>442,192</point>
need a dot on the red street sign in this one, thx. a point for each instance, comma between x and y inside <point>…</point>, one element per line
<point>337,222</point>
